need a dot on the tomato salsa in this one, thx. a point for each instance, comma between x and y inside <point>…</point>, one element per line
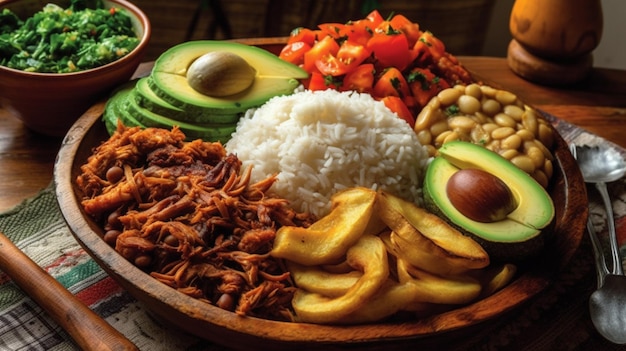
<point>391,59</point>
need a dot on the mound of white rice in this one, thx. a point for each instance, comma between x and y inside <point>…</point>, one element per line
<point>322,142</point>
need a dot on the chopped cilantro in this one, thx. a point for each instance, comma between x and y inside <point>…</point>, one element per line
<point>332,81</point>
<point>425,42</point>
<point>417,76</point>
<point>452,110</point>
<point>395,83</point>
<point>57,40</point>
<point>392,31</point>
<point>296,31</point>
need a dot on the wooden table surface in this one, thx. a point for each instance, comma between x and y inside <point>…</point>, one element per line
<point>598,105</point>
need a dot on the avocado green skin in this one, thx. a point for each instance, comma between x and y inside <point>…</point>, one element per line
<point>516,238</point>
<point>274,77</point>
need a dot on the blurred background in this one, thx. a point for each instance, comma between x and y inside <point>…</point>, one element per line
<point>467,27</point>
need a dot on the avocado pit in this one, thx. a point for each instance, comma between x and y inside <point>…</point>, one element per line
<point>480,196</point>
<point>220,73</point>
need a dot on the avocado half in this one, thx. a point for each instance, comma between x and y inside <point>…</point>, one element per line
<point>165,99</point>
<point>273,77</point>
<point>514,238</point>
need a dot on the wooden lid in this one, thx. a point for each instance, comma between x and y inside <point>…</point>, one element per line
<point>548,72</point>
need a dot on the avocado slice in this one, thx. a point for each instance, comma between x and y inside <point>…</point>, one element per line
<point>123,105</point>
<point>273,77</point>
<point>116,109</point>
<point>146,98</point>
<point>208,132</point>
<point>516,237</point>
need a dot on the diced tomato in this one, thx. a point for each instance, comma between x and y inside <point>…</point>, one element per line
<point>304,35</point>
<point>348,57</point>
<point>437,49</point>
<point>323,48</point>
<point>410,29</point>
<point>361,31</point>
<point>358,32</point>
<point>335,30</point>
<point>328,65</point>
<point>294,52</point>
<point>391,83</point>
<point>391,50</point>
<point>422,53</point>
<point>317,81</point>
<point>395,104</point>
<point>412,105</point>
<point>352,54</point>
<point>360,79</point>
<point>424,85</point>
<point>375,18</point>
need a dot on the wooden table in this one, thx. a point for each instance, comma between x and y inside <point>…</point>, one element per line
<point>598,105</point>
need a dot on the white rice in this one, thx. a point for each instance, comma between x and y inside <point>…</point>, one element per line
<point>322,142</point>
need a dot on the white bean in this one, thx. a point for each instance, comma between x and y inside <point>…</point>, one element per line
<point>474,90</point>
<point>505,97</point>
<point>502,132</point>
<point>449,96</point>
<point>461,122</point>
<point>513,141</point>
<point>491,107</point>
<point>524,163</point>
<point>468,104</point>
<point>504,120</point>
<point>439,127</point>
<point>514,112</point>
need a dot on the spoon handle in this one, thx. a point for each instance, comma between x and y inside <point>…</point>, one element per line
<point>598,254</point>
<point>617,261</point>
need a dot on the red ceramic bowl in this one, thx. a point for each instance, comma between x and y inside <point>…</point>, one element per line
<point>49,103</point>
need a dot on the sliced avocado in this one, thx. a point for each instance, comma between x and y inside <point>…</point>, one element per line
<point>209,132</point>
<point>116,109</point>
<point>273,77</point>
<point>516,237</point>
<point>146,98</point>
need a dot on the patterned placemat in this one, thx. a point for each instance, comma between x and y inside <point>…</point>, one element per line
<point>556,319</point>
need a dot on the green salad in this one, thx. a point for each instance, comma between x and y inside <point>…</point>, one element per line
<point>56,40</point>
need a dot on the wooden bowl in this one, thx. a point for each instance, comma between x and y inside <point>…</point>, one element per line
<point>49,103</point>
<point>223,327</point>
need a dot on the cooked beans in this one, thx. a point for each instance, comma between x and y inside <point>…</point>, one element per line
<point>491,107</point>
<point>461,122</point>
<point>504,120</point>
<point>449,96</point>
<point>468,104</point>
<point>491,117</point>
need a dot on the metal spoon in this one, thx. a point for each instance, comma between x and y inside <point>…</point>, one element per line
<point>601,165</point>
<point>607,305</point>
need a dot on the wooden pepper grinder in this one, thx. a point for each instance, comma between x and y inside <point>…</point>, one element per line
<point>553,39</point>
